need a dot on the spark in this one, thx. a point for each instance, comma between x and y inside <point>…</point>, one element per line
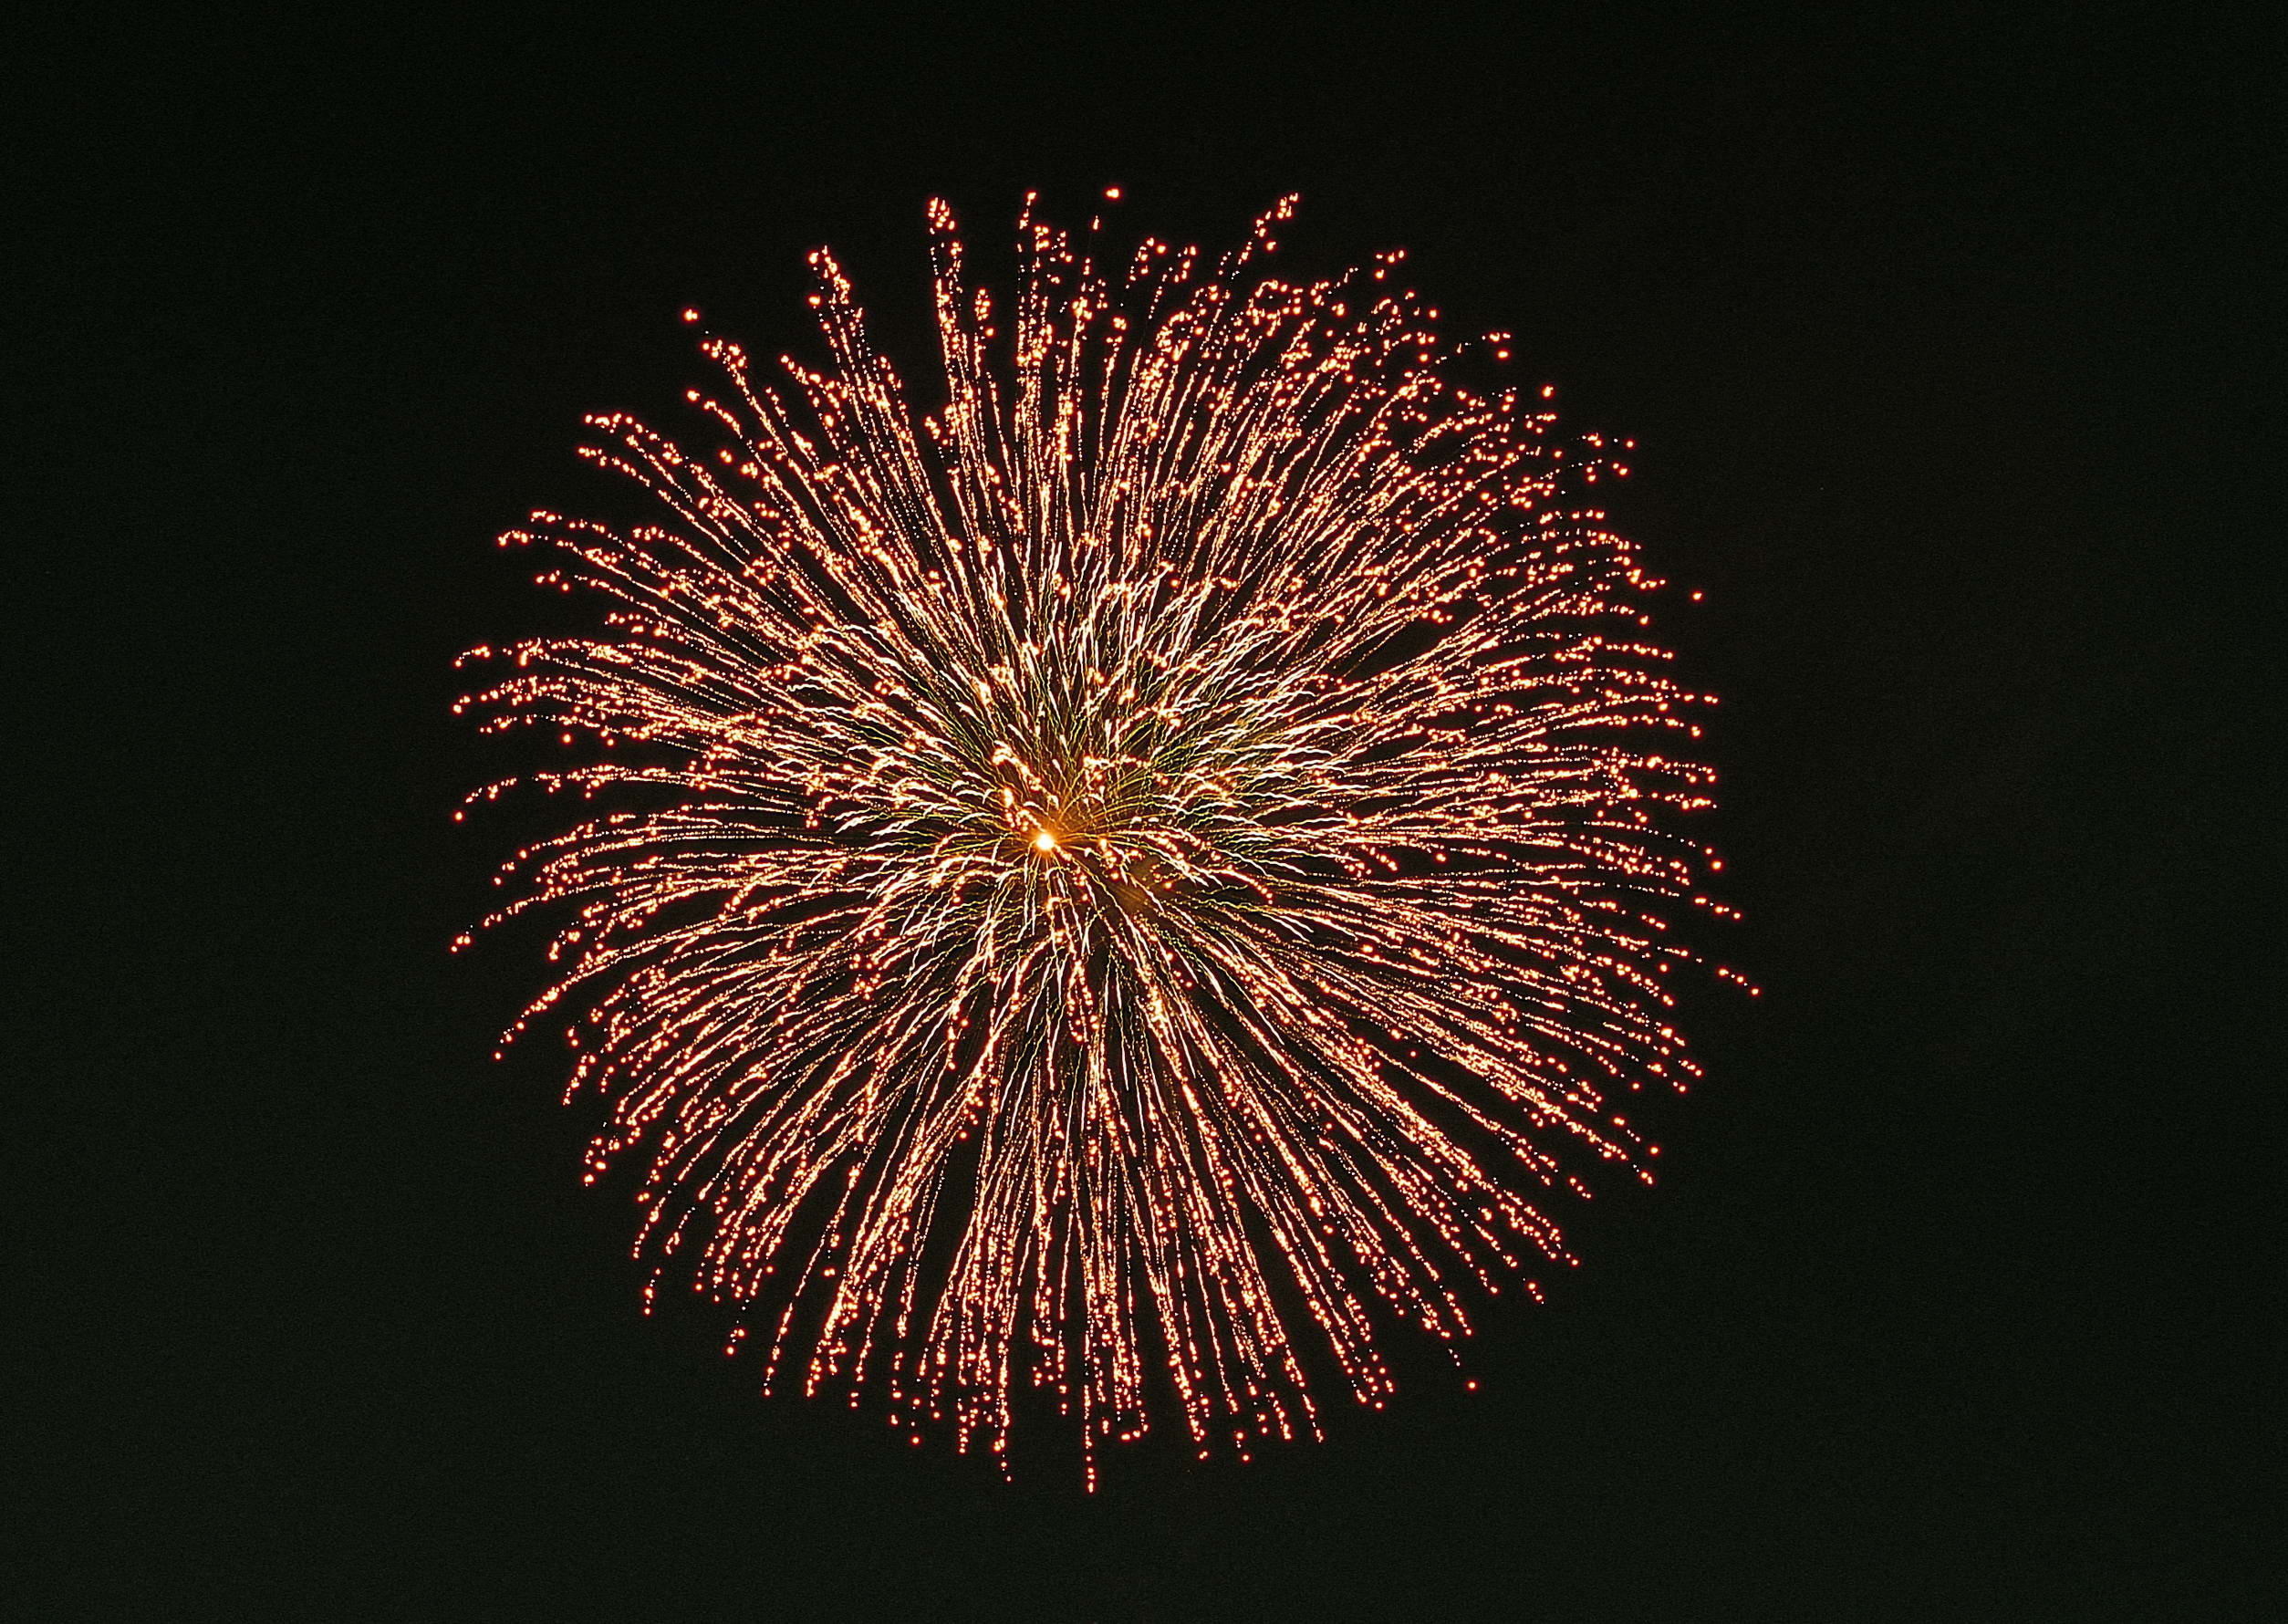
<point>1125,881</point>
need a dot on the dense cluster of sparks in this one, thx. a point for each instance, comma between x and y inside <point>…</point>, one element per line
<point>1113,876</point>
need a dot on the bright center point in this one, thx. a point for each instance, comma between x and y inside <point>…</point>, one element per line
<point>1044,841</point>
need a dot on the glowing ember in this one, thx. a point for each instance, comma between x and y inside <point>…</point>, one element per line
<point>1122,872</point>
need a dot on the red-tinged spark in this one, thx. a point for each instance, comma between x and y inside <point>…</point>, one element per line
<point>1124,872</point>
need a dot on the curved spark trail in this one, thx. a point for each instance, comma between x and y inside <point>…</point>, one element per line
<point>1118,874</point>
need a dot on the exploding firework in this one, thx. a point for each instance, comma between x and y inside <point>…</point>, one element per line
<point>1116,877</point>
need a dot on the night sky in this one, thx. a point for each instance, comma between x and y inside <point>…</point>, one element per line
<point>1934,341</point>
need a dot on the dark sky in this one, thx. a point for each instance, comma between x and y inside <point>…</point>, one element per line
<point>1937,342</point>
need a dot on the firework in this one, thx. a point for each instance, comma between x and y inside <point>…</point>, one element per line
<point>1122,884</point>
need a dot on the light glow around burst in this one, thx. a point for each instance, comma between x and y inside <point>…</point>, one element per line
<point>1290,652</point>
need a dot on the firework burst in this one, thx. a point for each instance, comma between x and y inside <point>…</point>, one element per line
<point>1116,877</point>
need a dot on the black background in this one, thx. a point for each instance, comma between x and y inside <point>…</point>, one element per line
<point>1939,344</point>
